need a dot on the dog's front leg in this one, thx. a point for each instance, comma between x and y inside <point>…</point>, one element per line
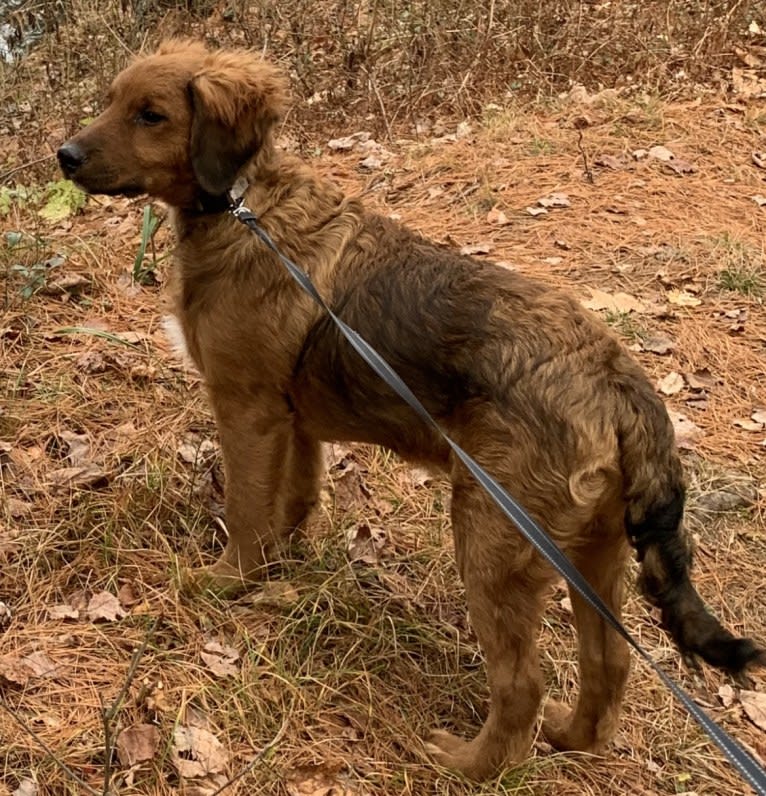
<point>255,437</point>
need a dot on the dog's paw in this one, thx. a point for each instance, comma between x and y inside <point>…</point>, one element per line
<point>456,754</point>
<point>556,720</point>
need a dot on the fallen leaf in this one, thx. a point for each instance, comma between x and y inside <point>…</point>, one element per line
<point>759,159</point>
<point>754,703</point>
<point>701,379</point>
<point>137,744</point>
<point>318,781</point>
<point>78,448</point>
<point>128,595</point>
<point>365,543</point>
<point>277,593</point>
<point>484,247</point>
<point>657,344</point>
<point>196,752</point>
<point>759,200</point>
<point>682,299</point>
<point>349,486</point>
<point>5,615</point>
<point>88,475</point>
<point>536,211</point>
<point>554,200</point>
<point>759,415</point>
<point>39,664</point>
<point>727,695</point>
<point>611,162</point>
<point>748,83</point>
<point>419,476</point>
<point>499,218</point>
<point>686,431</point>
<point>671,384</point>
<point>748,425</point>
<point>680,166</point>
<point>370,163</point>
<point>104,606</point>
<point>27,787</point>
<point>18,508</point>
<point>220,659</point>
<point>13,671</point>
<point>64,611</point>
<point>342,144</point>
<point>617,302</point>
<point>660,153</point>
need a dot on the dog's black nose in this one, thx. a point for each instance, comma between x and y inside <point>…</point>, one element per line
<point>71,157</point>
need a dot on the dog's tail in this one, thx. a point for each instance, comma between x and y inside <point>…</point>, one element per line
<point>654,492</point>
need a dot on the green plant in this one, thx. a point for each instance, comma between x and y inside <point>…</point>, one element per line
<point>142,273</point>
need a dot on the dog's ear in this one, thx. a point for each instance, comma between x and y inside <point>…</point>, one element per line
<point>236,99</point>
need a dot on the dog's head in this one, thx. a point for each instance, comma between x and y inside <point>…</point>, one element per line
<point>179,125</point>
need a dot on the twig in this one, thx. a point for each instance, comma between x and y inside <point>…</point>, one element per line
<point>5,175</point>
<point>588,172</point>
<point>63,766</point>
<point>258,757</point>
<point>108,714</point>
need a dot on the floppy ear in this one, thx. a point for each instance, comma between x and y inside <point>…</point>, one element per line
<point>236,99</point>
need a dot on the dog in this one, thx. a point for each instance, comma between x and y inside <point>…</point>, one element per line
<point>534,387</point>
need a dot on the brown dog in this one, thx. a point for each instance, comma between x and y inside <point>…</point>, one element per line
<point>535,388</point>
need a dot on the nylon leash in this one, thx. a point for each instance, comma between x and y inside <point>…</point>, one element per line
<point>748,767</point>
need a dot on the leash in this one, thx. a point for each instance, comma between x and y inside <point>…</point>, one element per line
<point>747,766</point>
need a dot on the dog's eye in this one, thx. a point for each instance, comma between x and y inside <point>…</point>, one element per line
<point>150,118</point>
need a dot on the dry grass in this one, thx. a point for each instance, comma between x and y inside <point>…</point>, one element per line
<point>356,662</point>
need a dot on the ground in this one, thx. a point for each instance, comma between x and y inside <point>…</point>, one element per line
<point>359,643</point>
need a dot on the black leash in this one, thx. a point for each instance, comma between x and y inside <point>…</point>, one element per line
<point>752,772</point>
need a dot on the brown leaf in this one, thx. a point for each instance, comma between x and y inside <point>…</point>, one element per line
<point>748,425</point>
<point>700,380</point>
<point>754,703</point>
<point>78,448</point>
<point>657,344</point>
<point>497,217</point>
<point>18,508</point>
<point>349,486</point>
<point>727,695</point>
<point>671,384</point>
<point>617,302</point>
<point>683,299</point>
<point>759,416</point>
<point>554,200</point>
<point>318,781</point>
<point>471,249</point>
<point>221,660</point>
<point>759,159</point>
<point>536,211</point>
<point>63,611</point>
<point>277,593</point>
<point>686,432</point>
<point>661,153</point>
<point>104,606</point>
<point>128,595</point>
<point>13,671</point>
<point>366,543</point>
<point>680,166</point>
<point>88,475</point>
<point>610,162</point>
<point>196,752</point>
<point>39,664</point>
<point>27,787</point>
<point>137,744</point>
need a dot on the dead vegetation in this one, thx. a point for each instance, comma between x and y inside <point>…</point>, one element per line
<point>326,679</point>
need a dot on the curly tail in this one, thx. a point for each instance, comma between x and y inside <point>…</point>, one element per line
<point>655,494</point>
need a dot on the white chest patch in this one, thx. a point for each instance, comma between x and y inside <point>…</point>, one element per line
<point>176,338</point>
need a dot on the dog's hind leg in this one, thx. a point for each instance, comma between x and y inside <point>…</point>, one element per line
<point>504,582</point>
<point>604,657</point>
